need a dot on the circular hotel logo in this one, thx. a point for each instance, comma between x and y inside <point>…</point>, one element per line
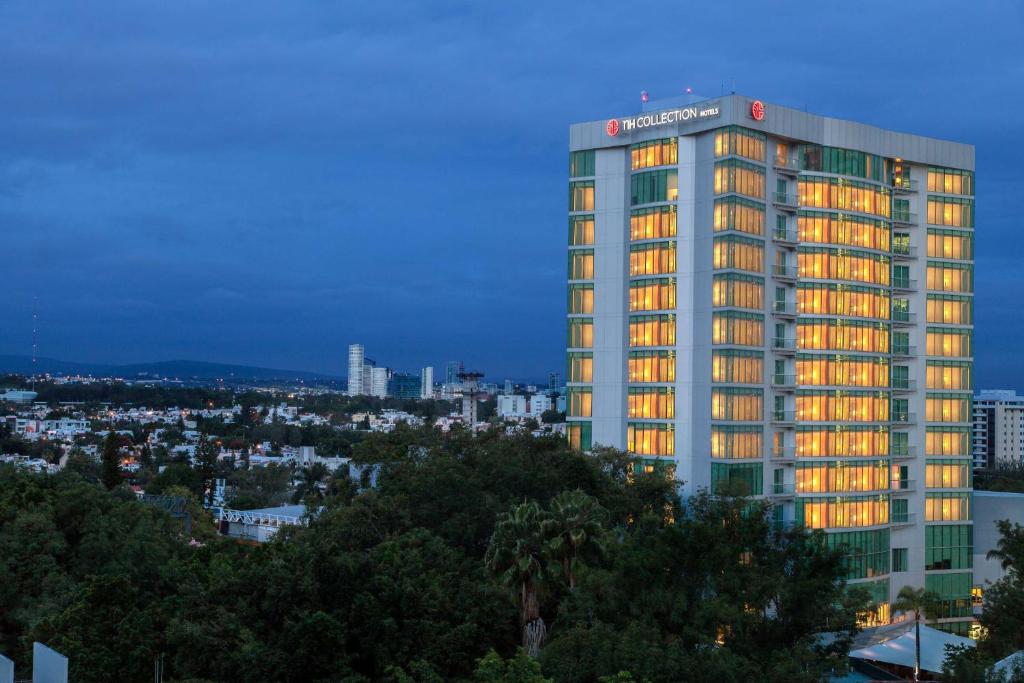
<point>612,128</point>
<point>757,110</point>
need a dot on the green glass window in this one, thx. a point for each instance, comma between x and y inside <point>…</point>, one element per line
<point>949,546</point>
<point>954,591</point>
<point>581,164</point>
<point>654,186</point>
<point>900,560</point>
<point>842,162</point>
<point>866,552</point>
<point>738,478</point>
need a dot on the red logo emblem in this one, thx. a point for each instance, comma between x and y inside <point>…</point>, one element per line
<point>613,127</point>
<point>757,110</point>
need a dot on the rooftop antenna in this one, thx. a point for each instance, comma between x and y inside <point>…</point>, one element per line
<point>35,337</point>
<point>733,87</point>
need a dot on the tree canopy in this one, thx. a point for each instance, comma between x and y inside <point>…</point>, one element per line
<point>414,580</point>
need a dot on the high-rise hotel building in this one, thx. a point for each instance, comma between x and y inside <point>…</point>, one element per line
<point>782,302</point>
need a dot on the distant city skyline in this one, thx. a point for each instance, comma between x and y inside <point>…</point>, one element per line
<point>177,183</point>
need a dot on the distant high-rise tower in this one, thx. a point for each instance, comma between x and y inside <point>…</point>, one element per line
<point>427,382</point>
<point>454,368</point>
<point>508,387</point>
<point>554,382</point>
<point>378,382</point>
<point>356,362</point>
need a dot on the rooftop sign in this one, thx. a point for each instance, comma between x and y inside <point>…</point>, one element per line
<point>661,118</point>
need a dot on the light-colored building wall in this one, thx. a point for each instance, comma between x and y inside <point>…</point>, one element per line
<point>912,493</point>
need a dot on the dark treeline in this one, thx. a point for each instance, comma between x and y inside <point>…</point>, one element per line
<point>472,554</point>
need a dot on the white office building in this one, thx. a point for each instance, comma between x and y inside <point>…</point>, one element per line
<point>427,382</point>
<point>356,366</point>
<point>378,385</point>
<point>998,428</point>
<point>511,405</point>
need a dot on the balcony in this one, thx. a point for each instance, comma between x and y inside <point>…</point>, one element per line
<point>902,485</point>
<point>787,237</point>
<point>904,284</point>
<point>784,345</point>
<point>782,490</point>
<point>904,185</point>
<point>784,309</point>
<point>903,318</point>
<point>903,519</point>
<point>785,201</point>
<point>903,252</point>
<point>904,351</point>
<point>785,382</point>
<point>781,271</point>
<point>904,218</point>
<point>902,385</point>
<point>903,453</point>
<point>787,165</point>
<point>784,417</point>
<point>784,453</point>
<point>903,419</point>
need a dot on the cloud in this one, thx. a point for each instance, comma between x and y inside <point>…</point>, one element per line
<point>267,181</point>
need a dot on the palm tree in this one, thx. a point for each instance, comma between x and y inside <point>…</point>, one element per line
<point>309,482</point>
<point>919,601</point>
<point>516,554</point>
<point>575,527</point>
<point>1010,548</point>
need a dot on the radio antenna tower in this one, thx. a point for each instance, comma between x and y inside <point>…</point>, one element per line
<point>35,338</point>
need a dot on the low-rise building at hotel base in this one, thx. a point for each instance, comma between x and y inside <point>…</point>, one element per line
<point>783,301</point>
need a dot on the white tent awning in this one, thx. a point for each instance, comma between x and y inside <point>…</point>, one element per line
<point>900,650</point>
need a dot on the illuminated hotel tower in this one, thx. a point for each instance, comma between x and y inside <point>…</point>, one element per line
<point>783,302</point>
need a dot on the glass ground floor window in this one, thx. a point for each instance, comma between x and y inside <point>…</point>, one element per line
<point>954,592</point>
<point>879,613</point>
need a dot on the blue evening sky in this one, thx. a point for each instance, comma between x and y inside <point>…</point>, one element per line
<point>264,182</point>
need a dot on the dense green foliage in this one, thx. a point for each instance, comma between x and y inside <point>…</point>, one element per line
<point>1004,477</point>
<point>1002,620</point>
<point>398,583</point>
